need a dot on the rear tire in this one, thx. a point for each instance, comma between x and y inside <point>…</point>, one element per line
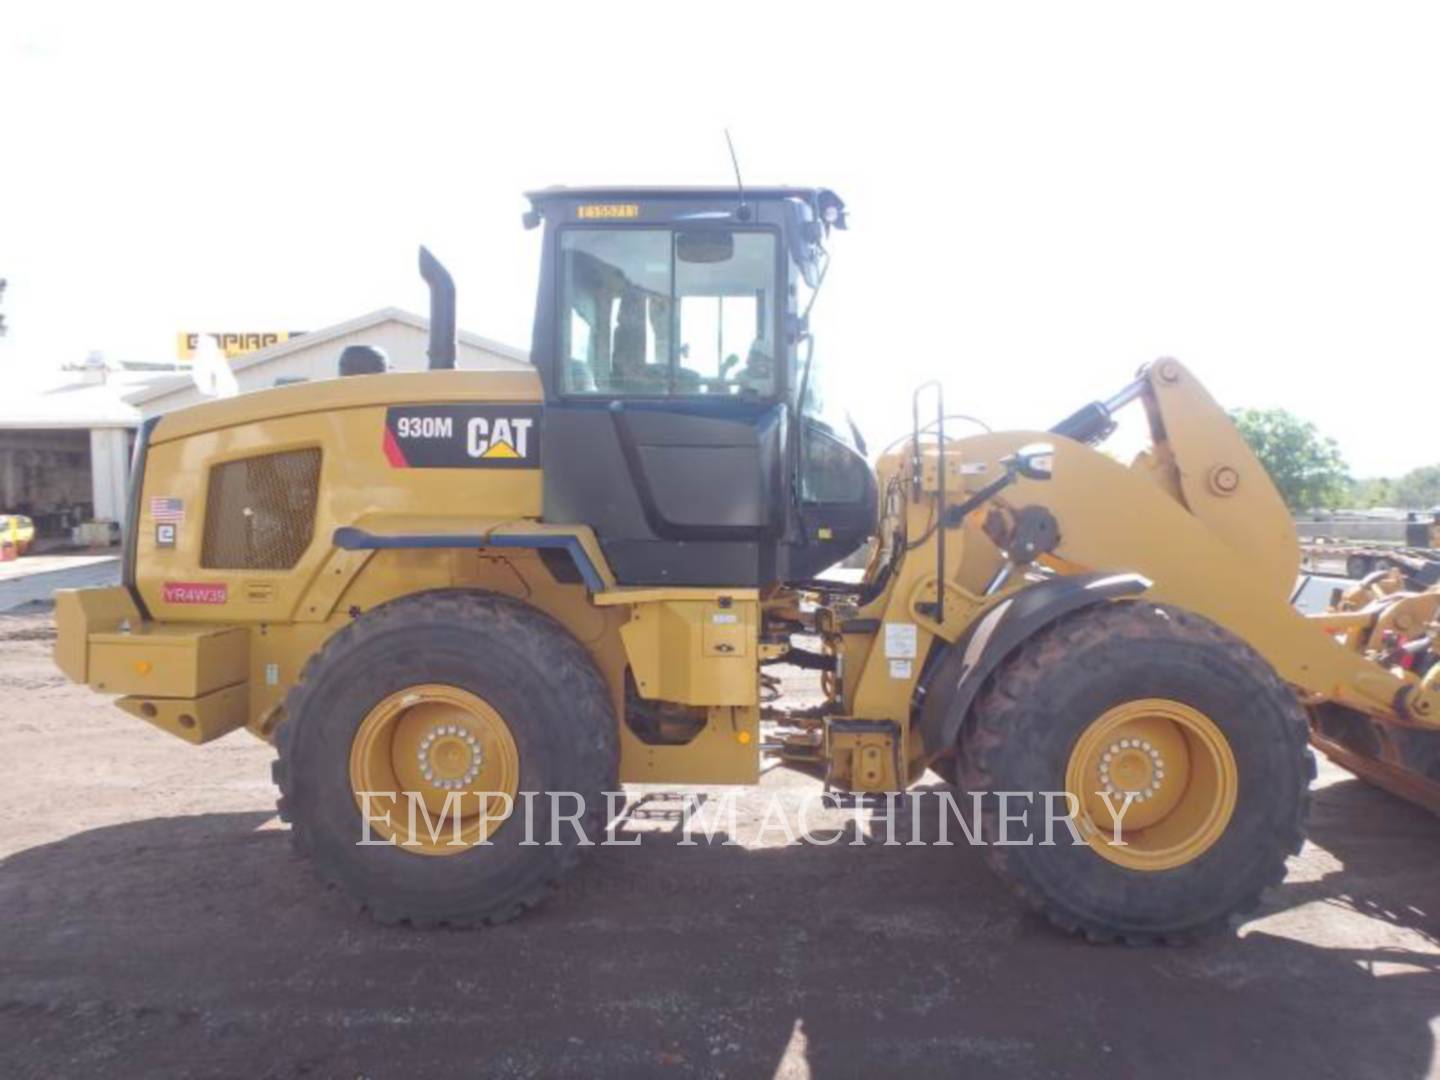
<point>559,729</point>
<point>1173,670</point>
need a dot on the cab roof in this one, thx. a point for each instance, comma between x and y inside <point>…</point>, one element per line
<point>825,206</point>
<point>705,194</point>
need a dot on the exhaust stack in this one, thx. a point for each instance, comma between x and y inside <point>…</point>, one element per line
<point>442,310</point>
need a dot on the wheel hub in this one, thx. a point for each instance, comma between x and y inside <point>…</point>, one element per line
<point>450,757</point>
<point>1131,767</point>
<point>450,761</point>
<point>1175,767</point>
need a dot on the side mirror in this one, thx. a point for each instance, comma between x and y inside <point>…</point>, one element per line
<point>1034,462</point>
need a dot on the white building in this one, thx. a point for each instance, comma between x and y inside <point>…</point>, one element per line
<point>65,452</point>
<point>403,337</point>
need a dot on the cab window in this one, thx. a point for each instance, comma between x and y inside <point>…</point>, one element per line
<point>668,312</point>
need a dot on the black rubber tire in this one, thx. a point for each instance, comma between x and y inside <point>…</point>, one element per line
<point>531,670</point>
<point>1021,732</point>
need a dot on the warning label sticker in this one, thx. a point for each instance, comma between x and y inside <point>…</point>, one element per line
<point>900,641</point>
<point>462,436</point>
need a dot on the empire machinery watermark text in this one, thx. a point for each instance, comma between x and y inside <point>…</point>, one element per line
<point>919,818</point>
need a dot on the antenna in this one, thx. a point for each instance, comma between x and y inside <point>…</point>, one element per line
<point>743,213</point>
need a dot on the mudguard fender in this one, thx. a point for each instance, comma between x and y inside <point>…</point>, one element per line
<point>955,679</point>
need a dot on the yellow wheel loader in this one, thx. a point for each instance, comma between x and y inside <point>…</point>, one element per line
<point>447,596</point>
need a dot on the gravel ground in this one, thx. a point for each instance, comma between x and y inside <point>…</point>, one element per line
<point>153,920</point>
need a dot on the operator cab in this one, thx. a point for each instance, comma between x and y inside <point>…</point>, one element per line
<point>684,418</point>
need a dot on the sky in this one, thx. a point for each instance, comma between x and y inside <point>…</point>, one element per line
<point>1043,196</point>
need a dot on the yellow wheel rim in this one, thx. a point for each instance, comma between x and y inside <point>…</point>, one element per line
<point>1178,768</point>
<point>450,760</point>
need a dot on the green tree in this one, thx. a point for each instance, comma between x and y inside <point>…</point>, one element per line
<point>1419,489</point>
<point>1370,492</point>
<point>1306,466</point>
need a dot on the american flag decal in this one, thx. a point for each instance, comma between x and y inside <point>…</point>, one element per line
<point>164,508</point>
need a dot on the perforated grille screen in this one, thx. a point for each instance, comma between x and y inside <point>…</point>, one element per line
<point>260,512</point>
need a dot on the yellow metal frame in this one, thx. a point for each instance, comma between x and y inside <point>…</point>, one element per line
<point>189,679</point>
<point>1195,514</point>
<point>196,720</point>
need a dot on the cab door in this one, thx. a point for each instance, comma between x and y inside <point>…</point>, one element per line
<point>666,428</point>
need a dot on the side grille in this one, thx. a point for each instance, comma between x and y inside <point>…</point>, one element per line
<point>260,511</point>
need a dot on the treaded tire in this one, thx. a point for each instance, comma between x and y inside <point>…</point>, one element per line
<point>530,669</point>
<point>1020,734</point>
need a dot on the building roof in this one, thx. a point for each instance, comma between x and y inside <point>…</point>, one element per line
<point>83,404</point>
<point>319,337</point>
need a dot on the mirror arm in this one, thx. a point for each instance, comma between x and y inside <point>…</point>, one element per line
<point>957,513</point>
<point>1016,465</point>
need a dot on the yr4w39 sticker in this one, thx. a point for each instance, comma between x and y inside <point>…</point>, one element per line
<point>463,436</point>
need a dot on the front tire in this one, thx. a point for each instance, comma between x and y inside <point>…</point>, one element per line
<point>1188,720</point>
<point>447,694</point>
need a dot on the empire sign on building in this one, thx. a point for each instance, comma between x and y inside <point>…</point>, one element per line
<point>65,452</point>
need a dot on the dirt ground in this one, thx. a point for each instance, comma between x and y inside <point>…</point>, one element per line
<point>153,920</point>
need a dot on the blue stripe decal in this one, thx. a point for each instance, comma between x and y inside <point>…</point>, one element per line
<point>349,538</point>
